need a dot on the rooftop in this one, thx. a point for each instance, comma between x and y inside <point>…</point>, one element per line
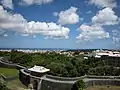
<point>39,69</point>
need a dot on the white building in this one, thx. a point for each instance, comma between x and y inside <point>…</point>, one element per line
<point>98,54</point>
<point>39,69</point>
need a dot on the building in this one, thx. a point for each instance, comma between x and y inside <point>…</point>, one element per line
<point>38,71</point>
<point>36,78</point>
<point>100,53</point>
<point>33,76</point>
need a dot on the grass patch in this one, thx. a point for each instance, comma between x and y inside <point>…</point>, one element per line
<point>103,88</point>
<point>9,72</point>
<point>14,84</point>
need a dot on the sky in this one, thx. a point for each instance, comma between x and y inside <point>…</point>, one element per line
<point>73,24</point>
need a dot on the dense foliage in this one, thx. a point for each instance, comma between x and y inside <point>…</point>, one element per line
<point>105,71</point>
<point>3,86</point>
<point>80,85</point>
<point>61,65</point>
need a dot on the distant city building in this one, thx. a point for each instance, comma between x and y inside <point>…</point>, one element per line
<point>99,53</point>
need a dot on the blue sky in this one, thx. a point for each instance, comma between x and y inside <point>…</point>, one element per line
<point>60,24</point>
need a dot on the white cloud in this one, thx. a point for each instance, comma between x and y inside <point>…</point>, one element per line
<point>47,29</point>
<point>34,36</point>
<point>17,23</point>
<point>5,35</point>
<point>37,2</point>
<point>11,21</point>
<point>55,14</point>
<point>69,16</point>
<point>104,3</point>
<point>105,16</point>
<point>90,33</point>
<point>7,3</point>
<point>89,12</point>
<point>24,34</point>
<point>81,19</point>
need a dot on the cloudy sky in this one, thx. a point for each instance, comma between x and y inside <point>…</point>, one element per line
<point>60,24</point>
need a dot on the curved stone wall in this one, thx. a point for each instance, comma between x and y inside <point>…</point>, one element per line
<point>102,77</point>
<point>24,77</point>
<point>102,82</point>
<point>10,65</point>
<point>63,78</point>
<point>49,82</point>
<point>49,85</point>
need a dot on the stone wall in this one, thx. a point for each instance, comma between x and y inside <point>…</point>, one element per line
<point>49,85</point>
<point>63,78</point>
<point>62,83</point>
<point>10,65</point>
<point>102,77</point>
<point>59,83</point>
<point>102,82</point>
<point>24,78</point>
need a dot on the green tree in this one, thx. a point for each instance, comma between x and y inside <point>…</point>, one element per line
<point>80,84</point>
<point>3,86</point>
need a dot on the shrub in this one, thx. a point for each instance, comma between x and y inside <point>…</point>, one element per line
<point>3,86</point>
<point>80,84</point>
